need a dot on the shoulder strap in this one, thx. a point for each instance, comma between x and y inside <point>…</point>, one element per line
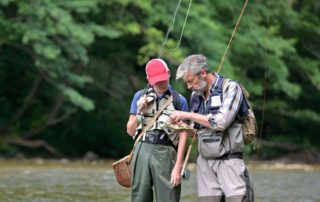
<point>220,84</point>
<point>176,99</point>
<point>218,89</point>
<point>194,102</point>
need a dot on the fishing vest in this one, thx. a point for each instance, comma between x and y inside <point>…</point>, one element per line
<point>199,105</point>
<point>154,104</point>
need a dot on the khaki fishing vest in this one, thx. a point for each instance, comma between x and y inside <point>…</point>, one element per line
<point>164,117</point>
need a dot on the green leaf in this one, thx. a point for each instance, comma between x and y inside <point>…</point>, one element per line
<point>77,99</point>
<point>48,51</point>
<point>5,2</point>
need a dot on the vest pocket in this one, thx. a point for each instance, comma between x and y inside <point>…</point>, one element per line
<point>210,146</point>
<point>235,136</point>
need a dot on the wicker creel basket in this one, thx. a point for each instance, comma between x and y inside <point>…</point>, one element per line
<point>122,171</point>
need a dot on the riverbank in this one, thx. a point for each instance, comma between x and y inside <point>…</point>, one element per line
<point>106,164</point>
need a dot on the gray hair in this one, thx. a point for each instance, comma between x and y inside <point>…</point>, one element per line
<point>194,64</point>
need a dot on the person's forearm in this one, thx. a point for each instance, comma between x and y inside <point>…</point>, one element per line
<point>132,125</point>
<point>131,131</point>
<point>181,148</point>
<point>199,118</point>
<point>194,117</point>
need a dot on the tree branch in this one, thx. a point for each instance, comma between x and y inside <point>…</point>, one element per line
<point>26,103</point>
<point>52,119</point>
<point>36,131</point>
<point>33,144</point>
<point>62,118</point>
<point>56,107</point>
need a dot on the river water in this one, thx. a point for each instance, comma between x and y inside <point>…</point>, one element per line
<point>65,181</point>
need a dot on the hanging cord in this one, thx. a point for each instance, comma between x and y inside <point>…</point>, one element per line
<point>265,83</point>
<point>171,27</point>
<point>234,31</point>
<point>267,53</point>
<point>264,93</point>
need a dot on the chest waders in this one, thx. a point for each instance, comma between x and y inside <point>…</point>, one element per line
<point>153,158</point>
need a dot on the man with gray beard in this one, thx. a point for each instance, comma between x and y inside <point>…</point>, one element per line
<point>214,106</point>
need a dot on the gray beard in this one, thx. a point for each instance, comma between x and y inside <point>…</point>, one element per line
<point>201,89</point>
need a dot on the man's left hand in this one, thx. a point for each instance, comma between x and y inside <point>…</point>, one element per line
<point>176,176</point>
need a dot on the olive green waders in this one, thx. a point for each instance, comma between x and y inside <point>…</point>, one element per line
<point>151,170</point>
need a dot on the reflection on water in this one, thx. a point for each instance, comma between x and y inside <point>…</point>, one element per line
<point>63,181</point>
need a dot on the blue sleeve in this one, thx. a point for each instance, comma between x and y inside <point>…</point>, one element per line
<point>183,104</point>
<point>133,108</point>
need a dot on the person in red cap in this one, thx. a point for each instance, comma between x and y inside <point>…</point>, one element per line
<point>157,159</point>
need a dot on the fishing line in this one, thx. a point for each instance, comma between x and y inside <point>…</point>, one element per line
<point>171,27</point>
<point>264,93</point>
<point>267,53</point>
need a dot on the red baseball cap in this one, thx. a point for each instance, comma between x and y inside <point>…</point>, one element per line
<point>157,70</point>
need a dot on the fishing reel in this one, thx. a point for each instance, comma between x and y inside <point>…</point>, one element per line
<point>185,174</point>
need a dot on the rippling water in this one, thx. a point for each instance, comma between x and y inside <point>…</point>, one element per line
<point>64,181</point>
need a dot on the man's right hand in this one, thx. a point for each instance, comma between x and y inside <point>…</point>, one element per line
<point>178,116</point>
<point>142,103</point>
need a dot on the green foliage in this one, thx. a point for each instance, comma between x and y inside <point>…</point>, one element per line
<point>7,149</point>
<point>77,99</point>
<point>5,2</point>
<point>57,35</point>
